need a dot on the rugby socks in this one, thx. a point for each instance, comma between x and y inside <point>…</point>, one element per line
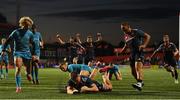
<point>1,71</point>
<point>7,70</point>
<point>176,74</point>
<point>32,73</point>
<point>18,80</point>
<point>36,73</point>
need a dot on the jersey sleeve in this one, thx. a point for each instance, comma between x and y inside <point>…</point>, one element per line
<point>174,47</point>
<point>12,35</point>
<point>159,48</point>
<point>40,37</point>
<point>70,68</point>
<point>140,33</point>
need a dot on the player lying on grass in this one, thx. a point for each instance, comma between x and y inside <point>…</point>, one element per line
<point>169,51</point>
<point>83,84</point>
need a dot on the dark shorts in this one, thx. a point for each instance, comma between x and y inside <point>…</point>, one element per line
<point>101,87</point>
<point>170,62</point>
<point>4,59</point>
<point>136,57</point>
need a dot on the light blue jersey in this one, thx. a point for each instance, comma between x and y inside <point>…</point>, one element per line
<point>77,68</point>
<point>114,69</point>
<point>37,39</point>
<point>22,39</point>
<point>4,57</point>
<point>1,48</point>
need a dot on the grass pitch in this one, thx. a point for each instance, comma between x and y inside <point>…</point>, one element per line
<point>158,85</point>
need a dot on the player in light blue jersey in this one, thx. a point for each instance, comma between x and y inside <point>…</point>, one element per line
<point>4,60</point>
<point>22,38</point>
<point>114,70</point>
<point>36,59</point>
<point>76,68</point>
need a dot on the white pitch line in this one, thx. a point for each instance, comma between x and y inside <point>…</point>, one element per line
<point>36,88</point>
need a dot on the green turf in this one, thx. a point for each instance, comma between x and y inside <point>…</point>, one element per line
<point>158,85</point>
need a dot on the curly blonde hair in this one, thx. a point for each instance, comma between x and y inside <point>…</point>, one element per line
<point>25,21</point>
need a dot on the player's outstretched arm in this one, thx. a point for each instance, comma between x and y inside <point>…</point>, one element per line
<point>71,90</point>
<point>93,88</point>
<point>158,49</point>
<point>153,54</point>
<point>107,82</point>
<point>93,74</point>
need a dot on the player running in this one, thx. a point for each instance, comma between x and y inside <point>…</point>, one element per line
<point>22,38</point>
<point>138,40</point>
<point>36,59</point>
<point>4,60</point>
<point>169,51</point>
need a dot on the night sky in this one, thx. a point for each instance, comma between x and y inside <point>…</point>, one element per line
<point>91,16</point>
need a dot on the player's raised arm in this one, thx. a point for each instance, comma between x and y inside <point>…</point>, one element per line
<point>80,46</point>
<point>60,39</point>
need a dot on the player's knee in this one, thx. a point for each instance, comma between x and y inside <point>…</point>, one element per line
<point>18,69</point>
